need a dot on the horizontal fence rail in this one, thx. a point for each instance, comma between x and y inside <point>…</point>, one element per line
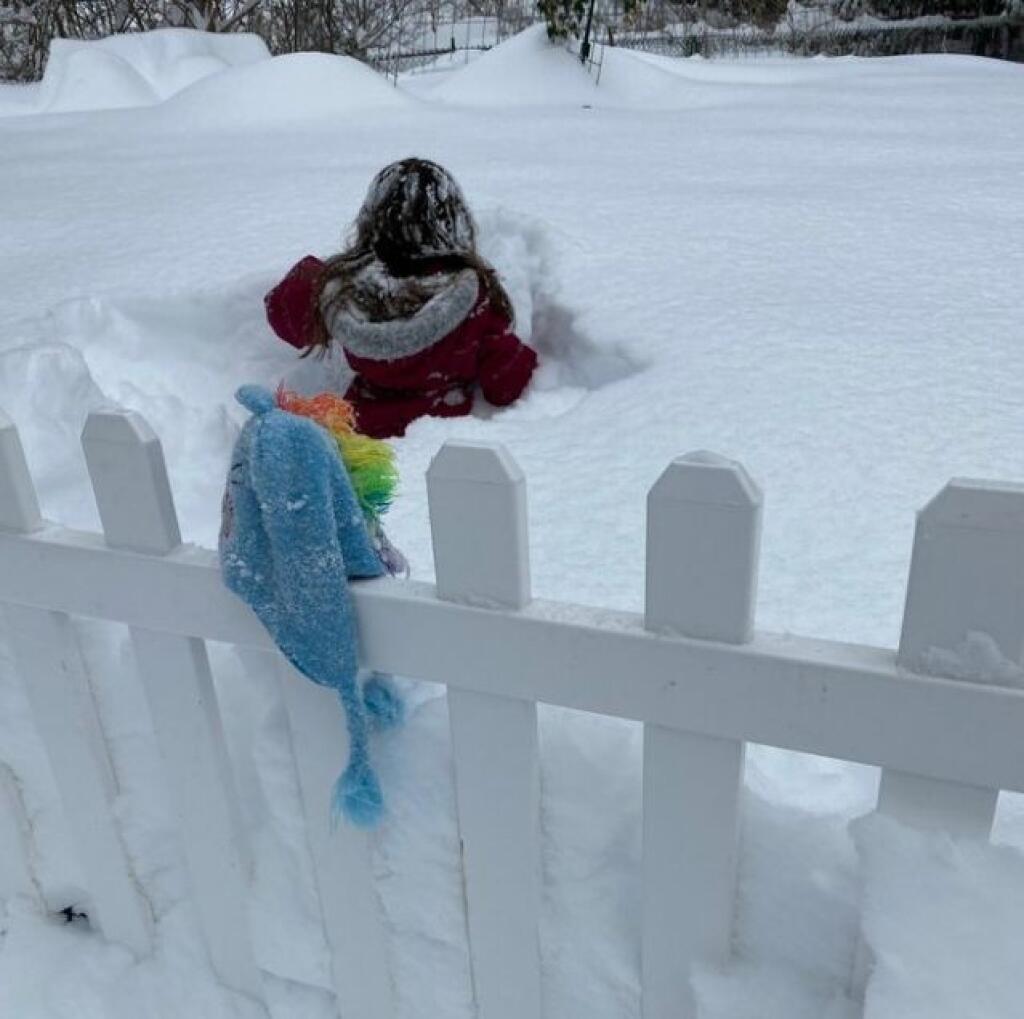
<point>839,700</point>
<point>691,668</point>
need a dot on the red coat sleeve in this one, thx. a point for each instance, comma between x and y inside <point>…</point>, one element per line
<point>289,305</point>
<point>506,364</point>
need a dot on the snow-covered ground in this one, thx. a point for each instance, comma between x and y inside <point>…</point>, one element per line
<point>811,266</point>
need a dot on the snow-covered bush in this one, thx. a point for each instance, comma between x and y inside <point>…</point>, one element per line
<point>352,27</point>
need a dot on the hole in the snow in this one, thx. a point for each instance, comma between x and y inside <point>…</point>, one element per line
<point>189,351</point>
<point>573,359</point>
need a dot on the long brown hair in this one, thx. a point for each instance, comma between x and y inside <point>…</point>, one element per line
<point>415,221</point>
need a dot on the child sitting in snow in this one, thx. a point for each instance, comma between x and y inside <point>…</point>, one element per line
<point>421,317</point>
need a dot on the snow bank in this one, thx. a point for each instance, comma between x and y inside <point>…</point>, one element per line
<point>298,86</point>
<point>771,71</point>
<point>17,99</point>
<point>633,80</point>
<point>202,79</point>
<point>527,70</point>
<point>630,79</point>
<point>47,388</point>
<point>87,79</point>
<point>943,919</point>
<point>206,338</point>
<point>530,70</point>
<point>138,69</point>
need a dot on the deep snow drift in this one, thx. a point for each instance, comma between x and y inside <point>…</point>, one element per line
<point>811,266</point>
<point>138,69</point>
<point>199,80</point>
<point>525,71</point>
<point>284,90</point>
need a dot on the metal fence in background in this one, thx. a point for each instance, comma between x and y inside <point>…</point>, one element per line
<point>990,28</point>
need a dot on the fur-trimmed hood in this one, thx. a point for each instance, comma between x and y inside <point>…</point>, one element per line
<point>442,301</point>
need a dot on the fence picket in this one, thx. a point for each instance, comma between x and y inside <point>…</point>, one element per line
<point>703,535</point>
<point>967,572</point>
<point>129,479</point>
<point>19,510</point>
<point>477,497</point>
<point>19,507</point>
<point>342,861</point>
<point>48,658</point>
<point>15,869</point>
<point>966,583</point>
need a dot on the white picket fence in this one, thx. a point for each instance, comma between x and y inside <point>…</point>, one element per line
<point>691,669</point>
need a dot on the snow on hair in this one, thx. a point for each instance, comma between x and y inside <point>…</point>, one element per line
<point>415,208</point>
<point>414,222</point>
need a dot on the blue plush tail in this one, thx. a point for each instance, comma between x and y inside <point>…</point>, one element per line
<point>357,794</point>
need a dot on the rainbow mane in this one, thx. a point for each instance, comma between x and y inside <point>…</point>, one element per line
<point>370,463</point>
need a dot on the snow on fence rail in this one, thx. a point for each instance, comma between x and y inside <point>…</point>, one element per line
<point>691,669</point>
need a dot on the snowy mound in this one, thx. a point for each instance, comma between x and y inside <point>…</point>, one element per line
<point>528,70</point>
<point>297,86</point>
<point>138,69</point>
<point>87,79</point>
<point>630,79</point>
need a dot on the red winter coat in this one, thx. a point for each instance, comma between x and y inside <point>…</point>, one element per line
<point>430,363</point>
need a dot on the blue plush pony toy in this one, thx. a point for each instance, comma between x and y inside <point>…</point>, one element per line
<point>293,532</point>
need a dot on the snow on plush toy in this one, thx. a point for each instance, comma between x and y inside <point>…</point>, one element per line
<point>301,516</point>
